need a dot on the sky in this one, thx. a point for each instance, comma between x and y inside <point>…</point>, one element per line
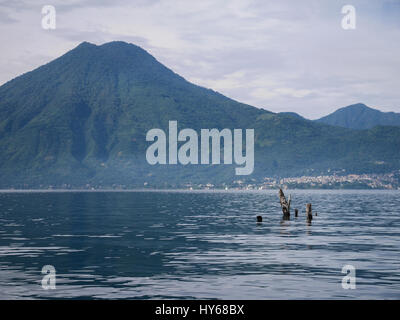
<point>277,55</point>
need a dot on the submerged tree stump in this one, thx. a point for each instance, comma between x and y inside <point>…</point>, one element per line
<point>309,211</point>
<point>285,205</point>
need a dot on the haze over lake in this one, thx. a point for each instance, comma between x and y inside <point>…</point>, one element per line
<point>203,244</point>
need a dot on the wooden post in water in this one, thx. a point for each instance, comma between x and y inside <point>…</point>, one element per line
<point>285,205</point>
<point>309,211</point>
<point>296,212</point>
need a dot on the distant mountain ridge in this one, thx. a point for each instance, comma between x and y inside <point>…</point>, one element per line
<point>82,119</point>
<point>359,116</point>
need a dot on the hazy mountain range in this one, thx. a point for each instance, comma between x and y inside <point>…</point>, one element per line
<point>82,119</point>
<point>356,116</point>
<point>359,116</point>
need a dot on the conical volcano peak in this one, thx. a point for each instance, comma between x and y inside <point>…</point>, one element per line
<point>88,63</point>
<point>113,49</point>
<point>120,46</point>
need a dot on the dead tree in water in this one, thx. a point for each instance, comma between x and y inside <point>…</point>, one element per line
<point>309,211</point>
<point>285,205</point>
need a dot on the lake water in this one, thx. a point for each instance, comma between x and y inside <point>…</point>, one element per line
<point>176,244</point>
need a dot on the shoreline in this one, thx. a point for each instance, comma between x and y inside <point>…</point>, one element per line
<point>188,190</point>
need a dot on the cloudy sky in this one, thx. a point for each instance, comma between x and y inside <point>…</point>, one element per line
<point>278,55</point>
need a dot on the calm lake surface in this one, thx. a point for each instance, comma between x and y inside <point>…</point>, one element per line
<point>176,244</point>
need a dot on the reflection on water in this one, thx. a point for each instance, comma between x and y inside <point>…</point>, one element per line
<point>199,245</point>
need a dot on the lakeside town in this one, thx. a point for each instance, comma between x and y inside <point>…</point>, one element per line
<point>389,181</point>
